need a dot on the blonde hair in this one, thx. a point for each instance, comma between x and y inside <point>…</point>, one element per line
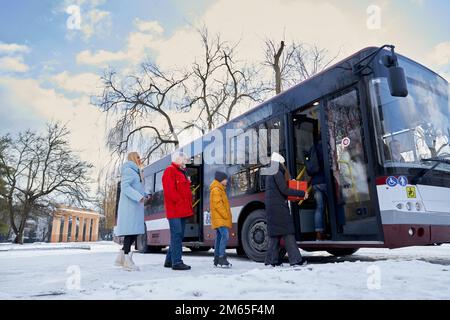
<point>134,156</point>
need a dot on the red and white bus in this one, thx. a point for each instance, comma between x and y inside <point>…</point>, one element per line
<point>387,162</point>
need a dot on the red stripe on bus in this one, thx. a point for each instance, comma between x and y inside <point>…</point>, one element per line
<point>380,180</point>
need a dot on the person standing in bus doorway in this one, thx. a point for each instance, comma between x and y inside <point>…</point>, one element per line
<point>178,204</point>
<point>220,217</point>
<point>280,223</point>
<point>315,168</point>
<point>130,220</point>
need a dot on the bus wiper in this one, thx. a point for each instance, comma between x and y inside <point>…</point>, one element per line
<point>419,176</point>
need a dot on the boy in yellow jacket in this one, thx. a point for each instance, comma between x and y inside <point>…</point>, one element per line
<point>220,217</point>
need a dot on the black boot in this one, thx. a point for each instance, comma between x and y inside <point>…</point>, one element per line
<point>181,266</point>
<point>299,264</point>
<point>216,260</point>
<point>223,262</point>
<point>168,264</point>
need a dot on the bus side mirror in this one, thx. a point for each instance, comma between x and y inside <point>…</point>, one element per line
<point>396,76</point>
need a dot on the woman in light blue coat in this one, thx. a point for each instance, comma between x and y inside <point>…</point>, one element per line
<point>130,220</point>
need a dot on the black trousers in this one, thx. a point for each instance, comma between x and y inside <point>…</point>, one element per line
<point>128,241</point>
<point>273,249</point>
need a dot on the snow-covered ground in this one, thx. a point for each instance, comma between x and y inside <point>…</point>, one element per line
<point>37,271</point>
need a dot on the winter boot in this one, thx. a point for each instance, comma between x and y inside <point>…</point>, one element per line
<point>302,263</point>
<point>120,259</point>
<point>181,267</point>
<point>223,262</point>
<point>274,265</point>
<point>216,260</point>
<point>129,263</point>
<point>320,236</point>
<point>168,264</point>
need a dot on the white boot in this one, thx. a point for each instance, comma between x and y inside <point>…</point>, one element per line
<point>129,263</point>
<point>120,259</point>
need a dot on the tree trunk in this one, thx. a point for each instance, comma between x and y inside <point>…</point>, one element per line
<point>23,222</point>
<point>19,238</point>
<point>277,68</point>
<point>11,220</point>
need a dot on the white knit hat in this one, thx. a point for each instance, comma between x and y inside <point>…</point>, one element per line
<point>277,157</point>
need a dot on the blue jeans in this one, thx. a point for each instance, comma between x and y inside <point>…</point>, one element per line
<point>319,195</point>
<point>222,236</point>
<point>176,240</point>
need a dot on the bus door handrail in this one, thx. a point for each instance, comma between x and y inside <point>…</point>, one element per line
<point>195,203</point>
<point>299,177</point>
<point>195,189</point>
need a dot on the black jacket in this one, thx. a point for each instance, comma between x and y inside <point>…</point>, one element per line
<point>279,219</point>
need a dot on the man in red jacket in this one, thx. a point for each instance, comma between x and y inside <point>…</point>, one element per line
<point>178,204</point>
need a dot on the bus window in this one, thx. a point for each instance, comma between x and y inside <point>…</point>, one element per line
<point>148,184</point>
<point>239,183</point>
<point>157,202</point>
<point>158,181</point>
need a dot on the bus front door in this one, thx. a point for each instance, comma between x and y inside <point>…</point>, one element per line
<point>305,129</point>
<point>349,180</point>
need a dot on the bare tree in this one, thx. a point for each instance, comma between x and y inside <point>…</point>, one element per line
<point>294,63</point>
<point>220,83</point>
<point>41,170</point>
<point>143,103</point>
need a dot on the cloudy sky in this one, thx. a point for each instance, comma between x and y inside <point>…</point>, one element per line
<point>51,61</point>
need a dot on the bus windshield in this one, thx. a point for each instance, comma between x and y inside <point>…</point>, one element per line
<point>414,128</point>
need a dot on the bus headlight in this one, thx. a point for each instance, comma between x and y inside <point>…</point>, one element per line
<point>418,206</point>
<point>409,206</point>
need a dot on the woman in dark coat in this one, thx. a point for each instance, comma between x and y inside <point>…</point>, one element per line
<point>280,223</point>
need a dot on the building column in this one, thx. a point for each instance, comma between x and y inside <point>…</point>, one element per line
<point>73,231</point>
<point>80,229</point>
<point>88,229</point>
<point>56,226</point>
<point>65,228</point>
<point>95,230</point>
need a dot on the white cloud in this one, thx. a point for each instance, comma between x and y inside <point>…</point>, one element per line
<point>138,44</point>
<point>88,83</point>
<point>13,64</point>
<point>440,55</point>
<point>99,58</point>
<point>12,48</point>
<point>96,22</point>
<point>336,27</point>
<point>149,26</point>
<point>85,121</point>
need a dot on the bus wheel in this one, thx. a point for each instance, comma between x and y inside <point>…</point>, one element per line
<point>199,249</point>
<point>141,243</point>
<point>254,236</point>
<point>341,252</point>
